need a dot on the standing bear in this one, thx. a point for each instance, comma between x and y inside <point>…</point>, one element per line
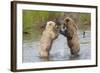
<point>71,34</point>
<point>49,34</point>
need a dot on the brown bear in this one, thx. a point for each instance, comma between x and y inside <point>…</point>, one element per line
<point>72,36</point>
<point>49,34</point>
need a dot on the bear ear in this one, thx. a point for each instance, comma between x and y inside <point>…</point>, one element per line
<point>67,20</point>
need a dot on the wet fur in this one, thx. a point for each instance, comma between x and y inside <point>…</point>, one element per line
<point>48,36</point>
<point>72,36</point>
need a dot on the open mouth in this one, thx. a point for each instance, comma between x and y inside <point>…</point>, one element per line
<point>63,30</point>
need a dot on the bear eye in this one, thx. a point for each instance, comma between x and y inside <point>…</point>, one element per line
<point>50,24</point>
<point>64,24</point>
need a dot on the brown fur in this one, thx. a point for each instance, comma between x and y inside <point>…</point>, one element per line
<point>72,36</point>
<point>49,34</point>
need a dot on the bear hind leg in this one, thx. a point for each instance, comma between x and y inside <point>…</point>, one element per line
<point>44,54</point>
<point>75,52</point>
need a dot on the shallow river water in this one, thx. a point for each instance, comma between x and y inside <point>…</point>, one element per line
<point>59,50</point>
